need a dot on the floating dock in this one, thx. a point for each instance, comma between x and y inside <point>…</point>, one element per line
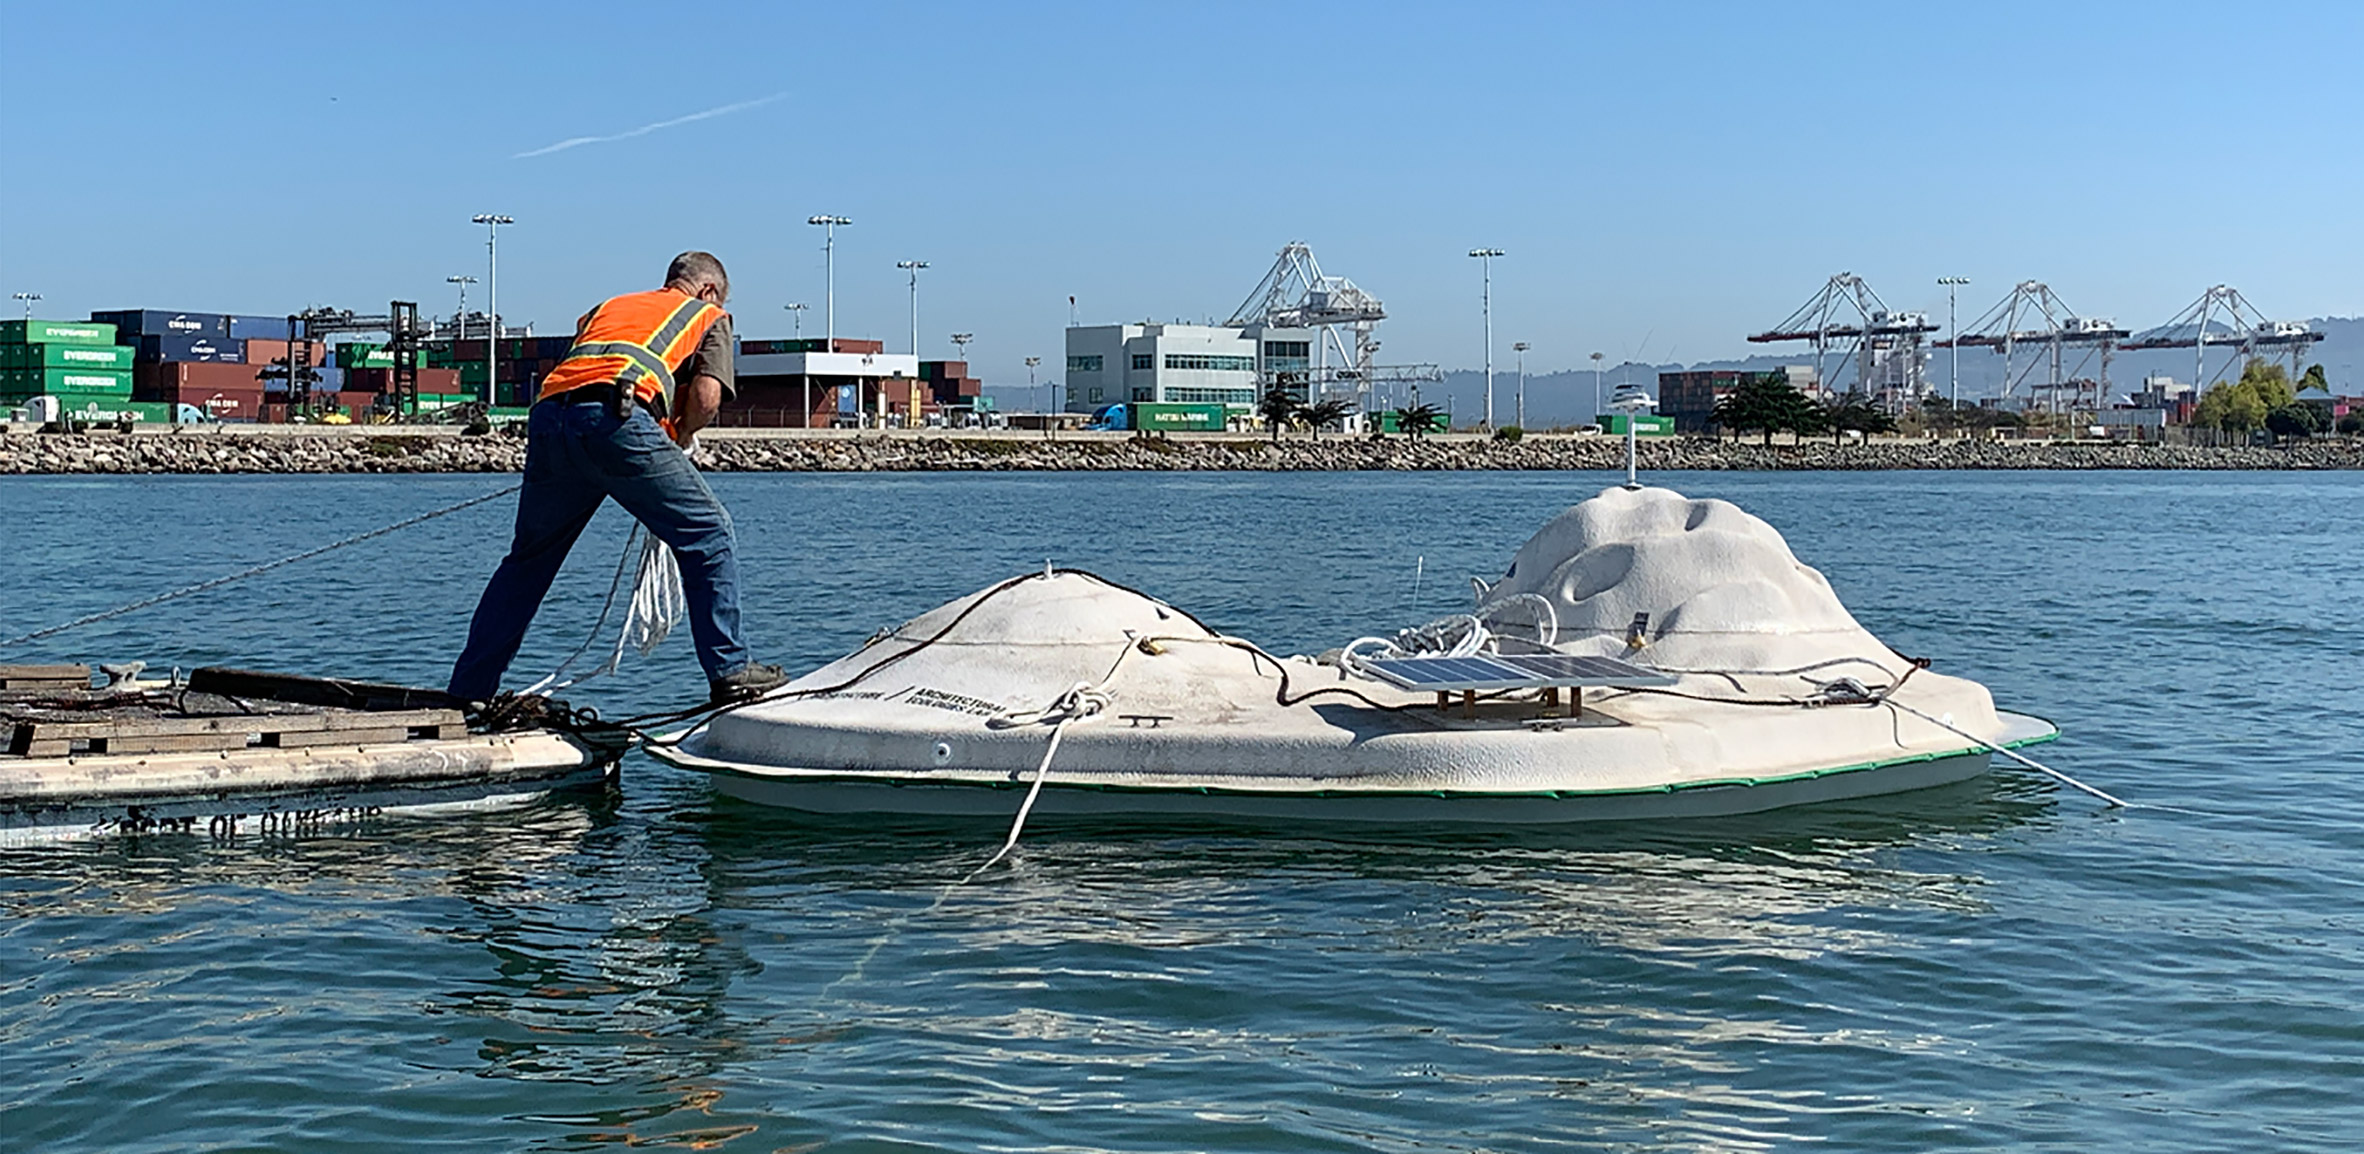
<point>230,752</point>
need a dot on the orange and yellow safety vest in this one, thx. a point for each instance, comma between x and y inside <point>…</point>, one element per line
<point>636,341</point>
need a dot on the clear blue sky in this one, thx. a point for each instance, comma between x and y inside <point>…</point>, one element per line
<point>1666,178</point>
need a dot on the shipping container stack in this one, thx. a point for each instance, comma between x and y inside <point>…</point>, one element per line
<point>522,364</point>
<point>77,362</point>
<point>809,345</point>
<point>368,370</point>
<point>188,359</point>
<point>949,384</point>
<point>264,343</point>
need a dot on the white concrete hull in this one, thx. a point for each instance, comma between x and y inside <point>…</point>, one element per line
<point>922,794</point>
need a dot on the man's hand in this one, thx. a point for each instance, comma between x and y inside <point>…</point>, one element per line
<point>694,407</point>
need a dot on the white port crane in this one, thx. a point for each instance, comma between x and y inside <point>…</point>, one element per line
<point>2225,318</point>
<point>2035,315</point>
<point>1885,344</point>
<point>1296,294</point>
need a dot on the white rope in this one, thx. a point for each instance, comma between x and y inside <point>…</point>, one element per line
<point>1081,703</point>
<point>656,606</point>
<point>2014,755</point>
<point>1077,705</point>
<point>658,603</point>
<point>1546,623</point>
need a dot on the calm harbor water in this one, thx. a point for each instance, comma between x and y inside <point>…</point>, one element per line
<point>1995,965</point>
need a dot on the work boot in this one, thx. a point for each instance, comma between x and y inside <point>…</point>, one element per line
<point>746,683</point>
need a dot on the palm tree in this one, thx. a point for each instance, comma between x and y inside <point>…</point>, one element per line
<point>1279,407</point>
<point>1325,412</point>
<point>1419,420</point>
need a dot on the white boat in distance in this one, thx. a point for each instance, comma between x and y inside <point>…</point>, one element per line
<point>1714,674</point>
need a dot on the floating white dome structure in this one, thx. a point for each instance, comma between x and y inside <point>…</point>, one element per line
<point>1756,690</point>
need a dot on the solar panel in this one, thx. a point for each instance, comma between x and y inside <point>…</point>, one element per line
<point>1576,669</point>
<point>1500,671</point>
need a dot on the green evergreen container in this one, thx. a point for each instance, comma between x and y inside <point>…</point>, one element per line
<point>363,355</point>
<point>90,382</point>
<point>108,410</point>
<point>52,355</point>
<point>56,333</point>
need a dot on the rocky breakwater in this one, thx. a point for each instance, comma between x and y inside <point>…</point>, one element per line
<point>200,450</point>
<point>1395,453</point>
<point>318,450</point>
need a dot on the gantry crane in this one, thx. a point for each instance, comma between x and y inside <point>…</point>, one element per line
<point>1296,294</point>
<point>2238,326</point>
<point>1884,344</point>
<point>2034,315</point>
<point>404,332</point>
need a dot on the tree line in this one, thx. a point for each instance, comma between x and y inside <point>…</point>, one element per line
<point>2265,398</point>
<point>1767,403</point>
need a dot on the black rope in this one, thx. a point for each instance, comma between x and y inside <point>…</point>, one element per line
<point>256,570</point>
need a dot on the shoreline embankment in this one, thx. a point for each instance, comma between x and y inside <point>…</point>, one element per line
<point>330,449</point>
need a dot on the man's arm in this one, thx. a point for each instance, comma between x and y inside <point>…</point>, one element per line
<point>695,403</point>
<point>710,375</point>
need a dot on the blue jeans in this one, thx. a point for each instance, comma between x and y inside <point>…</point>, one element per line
<point>575,457</point>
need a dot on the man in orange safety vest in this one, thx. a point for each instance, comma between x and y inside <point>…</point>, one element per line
<point>646,371</point>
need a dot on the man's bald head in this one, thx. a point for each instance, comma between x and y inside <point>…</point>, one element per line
<point>694,270</point>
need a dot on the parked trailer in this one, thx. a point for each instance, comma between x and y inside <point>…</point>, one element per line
<point>1159,417</point>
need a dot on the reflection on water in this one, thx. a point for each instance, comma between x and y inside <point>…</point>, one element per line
<point>1988,964</point>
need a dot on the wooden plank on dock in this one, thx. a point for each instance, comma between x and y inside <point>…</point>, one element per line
<point>43,678</point>
<point>324,691</point>
<point>110,735</point>
<point>382,736</point>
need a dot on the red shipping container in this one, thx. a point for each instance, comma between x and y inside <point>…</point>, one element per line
<point>356,405</point>
<point>441,382</point>
<point>151,382</point>
<point>263,352</point>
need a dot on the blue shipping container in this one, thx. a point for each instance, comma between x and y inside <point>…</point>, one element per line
<point>161,322</point>
<point>190,348</point>
<point>332,379</point>
<point>261,328</point>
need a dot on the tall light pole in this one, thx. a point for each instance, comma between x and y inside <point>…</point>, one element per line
<point>961,340</point>
<point>1520,347</point>
<point>1596,388</point>
<point>459,319</point>
<point>796,309</point>
<point>913,266</point>
<point>829,259</point>
<point>1953,336</point>
<point>28,298</point>
<point>492,223</point>
<point>1030,363</point>
<point>1486,256</point>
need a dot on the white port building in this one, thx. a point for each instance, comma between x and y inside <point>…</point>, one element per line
<point>1177,363</point>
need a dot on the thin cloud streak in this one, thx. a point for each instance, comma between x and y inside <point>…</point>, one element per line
<point>645,129</point>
